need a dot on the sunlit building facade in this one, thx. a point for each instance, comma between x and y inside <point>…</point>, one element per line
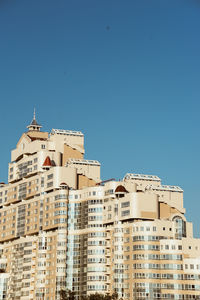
<point>61,227</point>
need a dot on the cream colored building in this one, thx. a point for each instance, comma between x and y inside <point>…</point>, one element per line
<point>61,227</point>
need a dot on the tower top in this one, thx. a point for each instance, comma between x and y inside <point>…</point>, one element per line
<point>34,126</point>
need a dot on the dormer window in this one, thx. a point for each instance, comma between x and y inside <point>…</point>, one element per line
<point>47,163</point>
<point>64,186</point>
<point>120,191</point>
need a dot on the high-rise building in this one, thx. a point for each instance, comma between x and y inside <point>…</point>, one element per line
<point>61,227</point>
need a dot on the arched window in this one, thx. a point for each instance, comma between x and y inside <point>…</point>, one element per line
<point>63,186</point>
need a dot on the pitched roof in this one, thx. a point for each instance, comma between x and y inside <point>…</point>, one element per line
<point>47,162</point>
<point>34,122</point>
<point>121,189</point>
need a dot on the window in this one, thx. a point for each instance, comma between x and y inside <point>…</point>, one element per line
<point>192,267</point>
<point>43,146</point>
<point>125,204</point>
<point>50,184</point>
<point>50,176</point>
<point>125,213</point>
<point>180,227</point>
<point>109,208</point>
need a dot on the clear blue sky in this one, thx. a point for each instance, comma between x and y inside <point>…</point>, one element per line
<point>125,72</point>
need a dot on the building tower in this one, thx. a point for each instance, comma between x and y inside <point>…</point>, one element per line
<point>61,227</point>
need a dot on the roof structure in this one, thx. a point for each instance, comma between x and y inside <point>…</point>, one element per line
<point>66,132</point>
<point>77,161</point>
<point>47,162</point>
<point>34,124</point>
<point>141,177</point>
<point>121,189</point>
<point>171,188</point>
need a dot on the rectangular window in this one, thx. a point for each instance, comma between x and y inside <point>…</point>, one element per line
<point>50,176</point>
<point>125,213</point>
<point>50,184</point>
<point>125,204</point>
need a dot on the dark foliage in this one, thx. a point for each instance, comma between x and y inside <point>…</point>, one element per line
<point>69,295</point>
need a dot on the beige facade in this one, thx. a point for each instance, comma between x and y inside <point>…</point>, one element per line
<point>61,227</point>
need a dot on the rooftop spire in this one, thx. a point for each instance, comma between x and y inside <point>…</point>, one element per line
<point>34,124</point>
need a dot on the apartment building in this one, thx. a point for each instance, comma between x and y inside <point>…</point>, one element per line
<point>61,227</point>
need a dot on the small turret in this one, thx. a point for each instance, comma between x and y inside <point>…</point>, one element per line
<point>34,126</point>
